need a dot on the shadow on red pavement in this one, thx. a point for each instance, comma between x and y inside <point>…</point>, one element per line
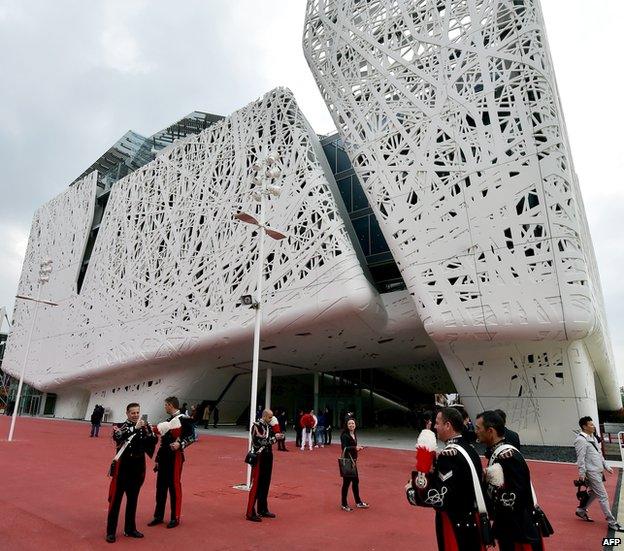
<point>53,491</point>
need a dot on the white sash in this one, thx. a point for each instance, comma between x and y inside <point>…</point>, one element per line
<point>475,479</point>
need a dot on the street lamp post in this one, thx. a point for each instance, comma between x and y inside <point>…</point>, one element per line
<point>44,276</point>
<point>267,172</point>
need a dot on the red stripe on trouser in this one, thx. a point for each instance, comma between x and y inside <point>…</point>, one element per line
<point>177,483</point>
<point>253,491</point>
<point>450,541</point>
<point>113,486</point>
<point>523,547</point>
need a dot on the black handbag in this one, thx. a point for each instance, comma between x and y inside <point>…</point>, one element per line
<point>251,458</point>
<point>347,466</point>
<point>540,518</point>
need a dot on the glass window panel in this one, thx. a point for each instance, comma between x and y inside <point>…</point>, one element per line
<point>359,198</point>
<point>343,162</point>
<point>344,185</point>
<point>361,227</point>
<point>378,243</point>
<point>330,153</point>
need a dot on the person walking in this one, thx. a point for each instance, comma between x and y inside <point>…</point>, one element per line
<point>264,433</point>
<point>350,449</point>
<point>508,481</point>
<point>176,434</point>
<point>133,440</point>
<point>591,466</point>
<point>215,416</point>
<point>96,420</point>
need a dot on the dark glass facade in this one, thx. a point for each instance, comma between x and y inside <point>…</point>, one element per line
<point>379,259</point>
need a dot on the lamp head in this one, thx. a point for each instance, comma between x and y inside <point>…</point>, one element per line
<point>274,190</point>
<point>272,157</point>
<point>273,172</point>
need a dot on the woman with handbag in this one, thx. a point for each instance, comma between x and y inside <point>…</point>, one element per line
<point>348,466</point>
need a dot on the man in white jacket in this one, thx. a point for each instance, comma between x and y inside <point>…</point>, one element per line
<point>591,465</point>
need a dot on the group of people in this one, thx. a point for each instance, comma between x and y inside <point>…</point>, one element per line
<point>313,430</point>
<point>475,506</point>
<point>265,432</point>
<point>134,439</point>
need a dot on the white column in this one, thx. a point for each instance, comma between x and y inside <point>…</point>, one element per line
<point>267,394</point>
<point>42,404</point>
<point>316,392</point>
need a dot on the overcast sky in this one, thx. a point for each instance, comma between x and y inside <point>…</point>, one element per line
<point>76,75</point>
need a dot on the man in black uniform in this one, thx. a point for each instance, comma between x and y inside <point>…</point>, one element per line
<point>450,489</point>
<point>264,433</point>
<point>509,487</point>
<point>128,470</point>
<point>176,434</point>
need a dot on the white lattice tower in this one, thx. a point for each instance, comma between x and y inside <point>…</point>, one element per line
<point>450,114</point>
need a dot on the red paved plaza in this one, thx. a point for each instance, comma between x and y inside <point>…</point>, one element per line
<point>53,490</point>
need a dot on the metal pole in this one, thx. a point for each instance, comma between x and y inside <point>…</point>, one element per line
<point>21,381</point>
<point>258,322</point>
<point>267,391</point>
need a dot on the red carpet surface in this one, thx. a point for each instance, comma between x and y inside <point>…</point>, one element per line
<point>53,491</point>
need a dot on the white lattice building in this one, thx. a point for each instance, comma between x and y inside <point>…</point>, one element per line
<point>158,312</point>
<point>450,114</point>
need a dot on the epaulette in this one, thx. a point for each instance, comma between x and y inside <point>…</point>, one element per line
<point>449,452</point>
<point>507,454</point>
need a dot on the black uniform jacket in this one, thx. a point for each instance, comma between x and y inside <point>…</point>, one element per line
<point>144,441</point>
<point>181,431</point>
<point>262,437</point>
<point>450,487</point>
<point>512,504</point>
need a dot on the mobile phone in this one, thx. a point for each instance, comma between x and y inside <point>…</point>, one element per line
<point>144,417</point>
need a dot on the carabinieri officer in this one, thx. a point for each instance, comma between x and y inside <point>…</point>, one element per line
<point>128,470</point>
<point>176,434</point>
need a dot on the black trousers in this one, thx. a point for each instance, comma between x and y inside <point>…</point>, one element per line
<point>355,483</point>
<point>260,483</point>
<point>169,481</point>
<point>298,437</point>
<point>127,479</point>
